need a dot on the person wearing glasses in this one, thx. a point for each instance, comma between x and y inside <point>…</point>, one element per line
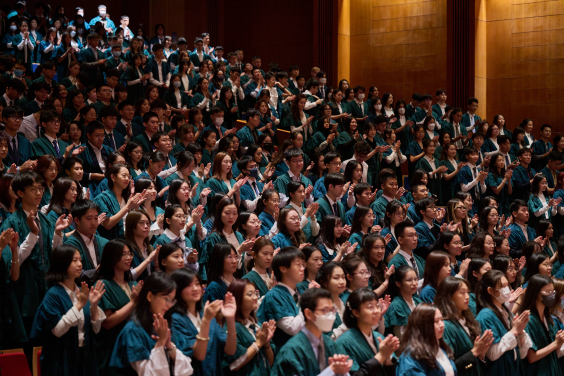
<point>431,227</point>
<point>254,355</point>
<point>295,357</point>
<point>407,238</point>
<point>118,300</point>
<point>19,147</point>
<point>221,271</point>
<point>201,338</point>
<point>147,344</point>
<point>403,291</point>
<point>295,160</point>
<point>84,238</point>
<point>48,143</point>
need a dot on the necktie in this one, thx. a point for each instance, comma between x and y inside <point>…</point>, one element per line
<point>507,162</point>
<point>321,355</point>
<point>335,209</point>
<point>475,176</point>
<point>111,140</point>
<point>40,234</point>
<point>296,298</point>
<point>11,103</point>
<point>14,152</point>
<point>412,260</point>
<point>254,184</point>
<point>56,146</point>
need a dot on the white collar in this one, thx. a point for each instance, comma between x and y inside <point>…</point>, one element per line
<point>51,139</point>
<point>406,255</point>
<point>297,207</point>
<point>390,199</point>
<point>94,147</point>
<point>292,292</point>
<point>87,241</point>
<point>171,236</point>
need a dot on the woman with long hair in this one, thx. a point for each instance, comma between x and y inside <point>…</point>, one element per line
<point>332,278</point>
<point>133,155</point>
<point>254,354</point>
<point>437,268</point>
<point>402,289</point>
<point>373,251</point>
<point>346,140</point>
<point>48,167</point>
<point>298,119</point>
<point>499,183</point>
<point>541,204</point>
<point>451,243</point>
<point>65,195</point>
<point>221,272</point>
<point>357,274</point>
<point>262,256</point>
<point>313,263</point>
<point>222,178</point>
<point>423,347</point>
<point>395,213</point>
<point>331,241</point>
<point>476,269</point>
<point>462,332</point>
<point>449,158</point>
<point>296,192</point>
<point>118,300</point>
<point>289,232</point>
<point>154,212</point>
<point>151,329</point>
<point>457,213</point>
<point>137,225</point>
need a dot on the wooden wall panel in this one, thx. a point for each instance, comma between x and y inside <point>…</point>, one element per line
<point>521,73</point>
<point>398,45</point>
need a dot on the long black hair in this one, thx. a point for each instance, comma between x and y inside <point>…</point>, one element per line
<point>111,255</point>
<point>158,283</point>
<point>219,253</point>
<point>529,302</point>
<point>183,278</point>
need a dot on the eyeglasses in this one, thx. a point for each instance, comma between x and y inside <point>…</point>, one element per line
<point>36,190</point>
<point>327,310</point>
<point>253,294</point>
<point>144,223</point>
<point>15,118</point>
<point>415,235</point>
<point>168,301</point>
<point>231,257</point>
<point>127,254</point>
<point>256,222</point>
<point>364,273</point>
<point>275,201</point>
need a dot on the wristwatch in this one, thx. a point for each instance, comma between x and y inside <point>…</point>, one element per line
<point>173,349</point>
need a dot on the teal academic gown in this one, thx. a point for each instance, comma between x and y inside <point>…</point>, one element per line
<point>357,348</point>
<point>398,313</point>
<point>278,303</point>
<point>42,146</point>
<point>541,337</point>
<point>325,209</point>
<point>113,299</point>
<point>283,180</point>
<point>297,356</point>
<point>398,260</point>
<point>216,290</point>
<point>87,262</point>
<point>108,203</point>
<point>503,198</point>
<point>409,366</point>
<point>187,332</point>
<point>12,329</point>
<point>434,183</point>
<point>60,355</point>
<point>258,365</point>
<point>211,240</point>
<point>448,187</point>
<point>254,277</point>
<point>461,344</point>
<point>506,365</point>
<point>535,205</point>
<point>31,287</point>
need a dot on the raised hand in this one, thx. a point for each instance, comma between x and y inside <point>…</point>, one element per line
<point>211,309</point>
<point>386,347</point>
<point>96,293</point>
<point>388,238</point>
<point>340,364</point>
<point>384,304</point>
<point>515,294</point>
<point>482,343</point>
<point>389,272</point>
<point>229,306</point>
<point>464,266</point>
<point>83,295</point>
<point>161,328</point>
<point>31,222</point>
<point>63,222</point>
<point>135,290</point>
<point>101,218</point>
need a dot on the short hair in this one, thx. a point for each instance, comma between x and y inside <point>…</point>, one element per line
<point>123,104</point>
<point>243,162</point>
<point>334,180</point>
<point>157,136</point>
<point>181,41</point>
<point>472,100</point>
<point>520,152</point>
<point>423,204</point>
<point>514,207</point>
<point>359,88</point>
<point>502,139</point>
<point>554,156</point>
<point>157,46</point>
<point>311,84</point>
<point>330,156</point>
<point>216,110</point>
<point>470,150</point>
<point>158,103</point>
<point>478,134</point>
<point>292,152</point>
<point>16,84</point>
<point>545,126</point>
<point>362,147</point>
<point>61,259</point>
<point>148,116</point>
<point>25,179</point>
<point>400,228</point>
<point>93,126</point>
<point>417,97</point>
<point>440,91</point>
<point>11,111</point>
<point>310,298</point>
<point>360,188</point>
<point>284,258</point>
<point>107,111</point>
<point>81,207</point>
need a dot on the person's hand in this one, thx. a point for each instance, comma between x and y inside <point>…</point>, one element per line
<point>309,168</point>
<point>229,306</point>
<point>271,329</point>
<point>551,202</point>
<point>82,296</point>
<point>262,335</point>
<point>520,321</point>
<point>28,165</point>
<point>135,290</point>
<point>247,245</point>
<point>14,242</point>
<point>520,263</point>
<point>440,215</point>
<point>207,169</point>
<point>475,221</point>
<point>442,169</point>
<point>515,294</point>
<point>161,329</point>
<point>122,148</point>
<point>559,337</point>
<point>311,210</point>
<point>153,255</point>
<point>376,228</point>
<point>482,176</point>
<point>308,191</point>
<point>13,169</point>
<point>482,343</point>
<point>387,238</point>
<point>506,233</point>
<point>96,293</point>
<point>31,222</point>
<point>197,214</point>
<point>330,138</point>
<point>101,217</point>
<point>340,364</point>
<point>6,237</point>
<point>386,347</point>
<point>192,257</point>
<point>103,61</point>
<point>303,245</point>
<point>63,222</point>
<point>400,193</point>
<point>136,200</point>
<point>211,310</point>
<point>64,136</point>
<point>268,173</point>
<point>314,285</point>
<point>384,304</point>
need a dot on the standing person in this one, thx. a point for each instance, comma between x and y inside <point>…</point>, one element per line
<point>423,348</point>
<point>146,345</point>
<point>462,331</point>
<point>68,318</point>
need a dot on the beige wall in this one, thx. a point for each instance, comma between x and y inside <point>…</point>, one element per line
<point>398,45</point>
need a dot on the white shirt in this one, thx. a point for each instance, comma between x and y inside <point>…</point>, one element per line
<point>444,362</point>
<point>431,163</point>
<point>196,320</point>
<point>90,246</point>
<point>232,239</point>
<point>545,208</point>
<point>361,105</point>
<point>74,317</point>
<point>472,119</point>
<point>530,138</point>
<point>524,229</point>
<point>474,182</point>
<point>291,324</point>
<point>98,153</point>
<point>364,168</point>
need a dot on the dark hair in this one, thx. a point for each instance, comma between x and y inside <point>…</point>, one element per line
<point>529,301</point>
<point>310,298</point>
<point>391,208</point>
<point>111,255</point>
<point>284,258</point>
<point>398,276</point>
<point>60,261</point>
<point>417,340</point>
<point>298,237</point>
<point>433,265</point>
<point>5,183</point>
<point>142,183</point>
<point>158,283</point>
<point>355,300</point>
<point>476,249</point>
<point>359,214</point>
<point>114,170</point>
<point>378,272</point>
<point>165,251</point>
<point>516,132</point>
<point>25,179</point>
<point>81,207</point>
<point>169,212</point>
<point>183,278</point>
<point>443,301</point>
<point>535,185</point>
<point>217,223</point>
<point>484,299</point>
<point>533,264</point>
<point>474,266</point>
<point>516,205</point>
<point>174,187</point>
<point>349,264</point>
<point>219,253</point>
<point>237,289</point>
<point>327,231</point>
<point>324,275</point>
<point>502,263</point>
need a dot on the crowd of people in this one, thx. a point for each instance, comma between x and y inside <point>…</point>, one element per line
<point>174,212</point>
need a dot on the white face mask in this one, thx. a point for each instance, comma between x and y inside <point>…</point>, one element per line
<point>378,107</point>
<point>431,126</point>
<point>504,295</point>
<point>218,121</point>
<point>322,80</point>
<point>401,111</point>
<point>360,97</point>
<point>176,83</point>
<point>72,33</point>
<point>102,13</point>
<point>325,322</point>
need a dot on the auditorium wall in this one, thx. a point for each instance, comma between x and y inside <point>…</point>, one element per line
<point>520,61</point>
<point>398,45</point>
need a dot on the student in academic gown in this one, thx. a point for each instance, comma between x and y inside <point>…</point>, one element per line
<point>12,118</point>
<point>146,344</point>
<point>407,238</point>
<point>542,148</point>
<point>95,153</point>
<point>24,44</point>
<point>281,302</point>
<point>93,60</point>
<point>289,232</point>
<point>423,350</point>
<point>222,178</point>
<point>84,238</point>
<point>437,268</point>
<point>68,318</point>
<point>48,142</point>
<point>295,161</point>
<point>262,255</point>
<point>540,203</point>
<point>118,300</point>
<point>471,179</point>
<point>523,176</point>
<point>136,79</point>
<point>432,166</point>
<point>403,288</point>
<point>200,337</point>
<point>37,231</point>
<point>462,332</point>
<point>220,273</point>
<point>520,232</point>
<point>305,354</point>
<point>499,183</point>
<point>511,342</point>
<point>224,232</point>
<point>371,352</point>
<point>547,340</point>
<point>254,355</point>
